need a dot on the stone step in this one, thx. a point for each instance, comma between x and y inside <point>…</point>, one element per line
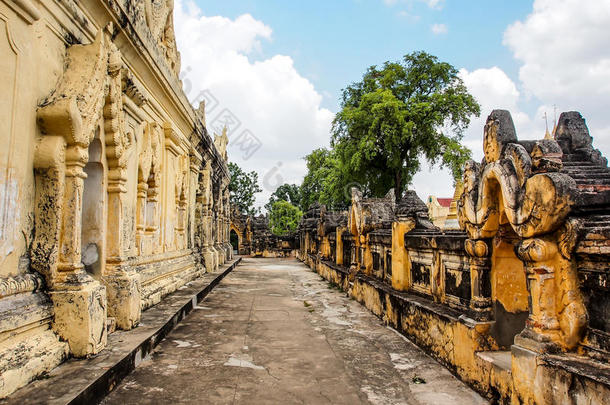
<point>501,359</point>
<point>580,162</point>
<point>593,181</point>
<point>601,225</point>
<point>85,381</point>
<point>588,173</point>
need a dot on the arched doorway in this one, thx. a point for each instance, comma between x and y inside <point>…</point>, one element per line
<point>234,241</point>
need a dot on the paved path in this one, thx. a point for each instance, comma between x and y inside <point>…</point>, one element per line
<point>274,332</point>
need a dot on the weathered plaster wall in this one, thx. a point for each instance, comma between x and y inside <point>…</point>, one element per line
<point>106,175</point>
<point>514,302</point>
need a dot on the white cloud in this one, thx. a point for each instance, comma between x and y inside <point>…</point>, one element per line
<point>438,4</point>
<point>408,16</point>
<point>269,97</point>
<point>434,4</point>
<point>439,29</point>
<point>493,89</point>
<point>563,47</point>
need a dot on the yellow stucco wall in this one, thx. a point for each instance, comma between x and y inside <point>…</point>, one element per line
<point>106,192</point>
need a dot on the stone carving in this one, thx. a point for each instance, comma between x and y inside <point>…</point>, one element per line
<point>90,89</point>
<point>560,316</point>
<point>132,89</point>
<point>528,271</point>
<point>200,111</point>
<point>527,191</point>
<point>68,120</point>
<point>573,136</point>
<point>160,20</point>
<point>118,141</point>
<point>508,187</point>
<point>26,9</point>
<point>96,131</point>
<point>149,187</point>
<point>221,142</point>
<point>20,284</point>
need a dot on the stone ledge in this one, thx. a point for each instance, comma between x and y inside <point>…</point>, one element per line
<point>444,312</point>
<point>580,366</point>
<point>89,381</point>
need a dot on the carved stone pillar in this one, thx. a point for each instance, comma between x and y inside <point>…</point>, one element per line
<point>121,280</point>
<point>153,218</point>
<point>227,224</point>
<point>542,325</point>
<point>208,251</point>
<point>70,248</point>
<point>218,246</point>
<point>68,121</point>
<point>401,265</point>
<point>79,301</point>
<point>141,215</point>
<point>558,316</point>
<point>195,165</point>
<point>479,253</point>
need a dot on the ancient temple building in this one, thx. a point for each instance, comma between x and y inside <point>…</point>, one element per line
<point>515,302</point>
<point>253,237</point>
<point>113,192</point>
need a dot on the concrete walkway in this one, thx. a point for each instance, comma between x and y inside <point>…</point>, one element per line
<point>274,332</point>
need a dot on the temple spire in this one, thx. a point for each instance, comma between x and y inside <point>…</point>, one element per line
<point>547,134</point>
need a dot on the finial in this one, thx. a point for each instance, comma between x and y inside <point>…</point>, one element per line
<point>547,134</point>
<point>554,121</point>
<point>201,111</point>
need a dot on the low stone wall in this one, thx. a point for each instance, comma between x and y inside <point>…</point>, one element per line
<point>464,346</point>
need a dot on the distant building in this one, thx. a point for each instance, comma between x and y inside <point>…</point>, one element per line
<point>438,209</point>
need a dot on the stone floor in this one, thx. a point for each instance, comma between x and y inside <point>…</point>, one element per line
<point>275,332</point>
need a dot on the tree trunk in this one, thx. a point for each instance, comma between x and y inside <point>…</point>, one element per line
<point>397,185</point>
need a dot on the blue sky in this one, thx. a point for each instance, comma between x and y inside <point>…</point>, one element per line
<point>279,67</point>
<point>333,42</point>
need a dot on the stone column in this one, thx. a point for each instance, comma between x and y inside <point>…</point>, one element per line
<point>195,165</point>
<point>339,245</point>
<point>480,278</point>
<point>121,280</point>
<point>141,215</point>
<point>227,224</point>
<point>218,247</point>
<point>542,330</point>
<point>209,254</point>
<point>79,301</point>
<point>153,219</point>
<point>401,265</point>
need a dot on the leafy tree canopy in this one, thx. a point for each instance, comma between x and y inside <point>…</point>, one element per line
<point>397,114</point>
<point>285,192</point>
<point>326,181</point>
<point>242,188</point>
<point>284,218</point>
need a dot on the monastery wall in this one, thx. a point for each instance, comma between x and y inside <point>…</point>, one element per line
<point>515,301</point>
<point>113,192</point>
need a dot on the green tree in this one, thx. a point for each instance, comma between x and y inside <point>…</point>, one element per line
<point>397,114</point>
<point>325,182</point>
<point>284,218</point>
<point>285,192</point>
<point>242,188</point>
